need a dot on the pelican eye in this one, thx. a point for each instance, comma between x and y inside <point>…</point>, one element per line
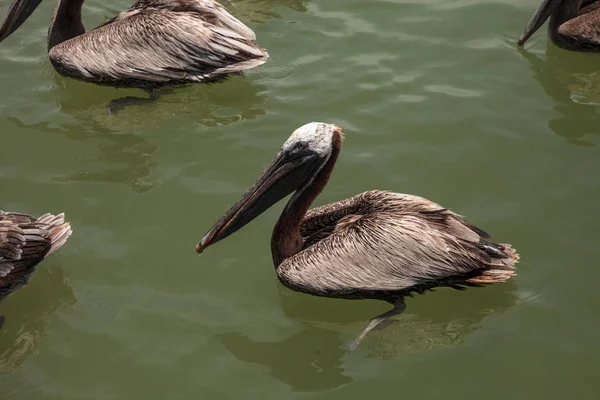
<point>299,149</point>
<point>301,146</point>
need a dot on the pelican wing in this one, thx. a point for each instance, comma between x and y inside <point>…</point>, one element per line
<point>589,6</point>
<point>24,242</point>
<point>155,45</point>
<point>584,29</point>
<point>211,11</point>
<point>398,242</point>
<point>320,222</point>
<point>11,241</point>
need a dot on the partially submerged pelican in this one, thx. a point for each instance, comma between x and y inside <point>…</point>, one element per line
<point>24,242</point>
<point>154,43</point>
<point>574,24</point>
<point>375,245</point>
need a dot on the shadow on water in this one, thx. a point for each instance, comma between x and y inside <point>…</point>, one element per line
<point>27,312</point>
<point>126,156</point>
<point>130,154</point>
<point>317,350</point>
<point>263,10</point>
<point>316,354</point>
<point>573,82</point>
<point>234,99</point>
<point>435,329</point>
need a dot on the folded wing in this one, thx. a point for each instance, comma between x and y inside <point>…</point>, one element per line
<point>398,242</point>
<point>584,29</point>
<point>24,242</point>
<point>188,41</point>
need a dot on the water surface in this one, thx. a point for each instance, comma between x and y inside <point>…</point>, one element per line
<point>435,100</point>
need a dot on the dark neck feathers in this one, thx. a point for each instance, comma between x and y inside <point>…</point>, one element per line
<point>286,240</point>
<point>66,22</point>
<point>566,11</point>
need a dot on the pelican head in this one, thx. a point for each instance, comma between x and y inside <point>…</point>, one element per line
<point>299,160</point>
<point>18,12</point>
<point>544,11</point>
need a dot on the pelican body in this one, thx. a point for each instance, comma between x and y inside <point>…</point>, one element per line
<point>24,242</point>
<point>154,43</point>
<point>574,24</point>
<point>375,245</point>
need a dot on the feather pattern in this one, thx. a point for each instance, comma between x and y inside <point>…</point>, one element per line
<point>385,245</point>
<point>24,242</point>
<point>157,43</point>
<point>583,31</point>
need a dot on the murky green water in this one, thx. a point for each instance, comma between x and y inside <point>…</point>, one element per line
<point>435,101</point>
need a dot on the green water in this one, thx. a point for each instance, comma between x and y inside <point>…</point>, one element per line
<point>435,101</point>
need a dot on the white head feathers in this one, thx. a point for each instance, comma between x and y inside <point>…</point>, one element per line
<point>318,136</point>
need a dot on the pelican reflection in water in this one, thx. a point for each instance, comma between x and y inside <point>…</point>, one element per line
<point>574,24</point>
<point>154,43</point>
<point>376,245</point>
<point>24,242</point>
<point>573,85</point>
<point>29,318</point>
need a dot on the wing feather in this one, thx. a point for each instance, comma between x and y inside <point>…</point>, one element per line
<point>398,242</point>
<point>24,242</point>
<point>584,29</point>
<point>327,216</point>
<point>212,12</point>
<point>157,44</point>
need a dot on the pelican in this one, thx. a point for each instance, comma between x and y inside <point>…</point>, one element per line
<point>375,245</point>
<point>24,242</point>
<point>154,43</point>
<point>574,24</point>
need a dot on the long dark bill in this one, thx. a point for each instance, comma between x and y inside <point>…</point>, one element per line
<point>18,12</point>
<point>284,175</point>
<point>541,15</point>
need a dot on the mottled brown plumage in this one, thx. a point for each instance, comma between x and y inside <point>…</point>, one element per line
<point>24,242</point>
<point>154,43</point>
<point>385,245</point>
<point>376,245</point>
<point>574,24</point>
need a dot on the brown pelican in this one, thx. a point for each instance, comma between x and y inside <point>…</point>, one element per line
<point>24,242</point>
<point>574,24</point>
<point>375,245</point>
<point>154,43</point>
